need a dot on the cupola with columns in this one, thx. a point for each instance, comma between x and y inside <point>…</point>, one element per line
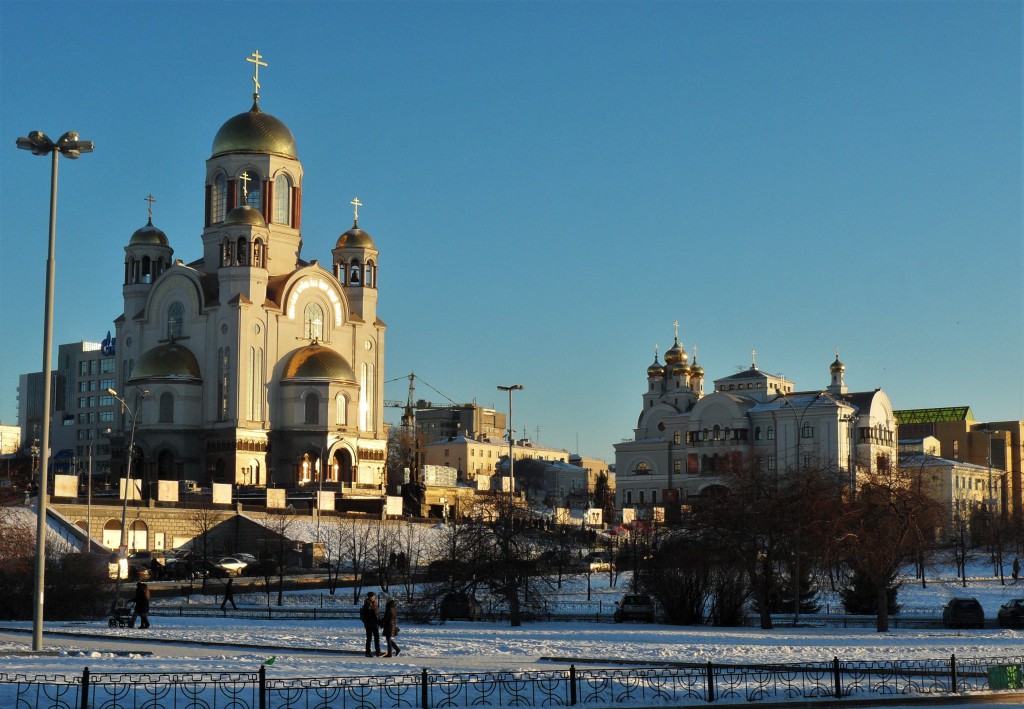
<point>355,266</point>
<point>147,255</point>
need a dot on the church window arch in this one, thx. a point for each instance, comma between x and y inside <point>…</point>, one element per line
<point>716,433</point>
<point>771,433</point>
<point>167,407</point>
<point>370,275</point>
<point>341,410</point>
<point>282,199</point>
<point>225,253</point>
<point>146,275</point>
<point>677,437</point>
<point>353,273</point>
<point>312,409</point>
<point>219,198</point>
<point>241,250</point>
<point>313,322</point>
<point>807,431</point>
<point>255,408</point>
<point>258,253</point>
<point>175,320</point>
<point>642,468</point>
<point>757,433</point>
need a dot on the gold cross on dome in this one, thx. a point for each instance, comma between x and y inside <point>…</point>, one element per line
<point>675,327</point>
<point>356,204</point>
<point>753,359</point>
<point>150,198</point>
<point>244,178</point>
<point>255,59</point>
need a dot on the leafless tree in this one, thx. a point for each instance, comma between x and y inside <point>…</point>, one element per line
<point>278,547</point>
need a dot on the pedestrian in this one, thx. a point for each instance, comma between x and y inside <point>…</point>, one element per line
<point>1016,570</point>
<point>141,610</point>
<point>390,626</point>
<point>229,595</point>
<point>370,615</point>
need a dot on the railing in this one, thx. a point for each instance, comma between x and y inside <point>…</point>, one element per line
<point>676,685</point>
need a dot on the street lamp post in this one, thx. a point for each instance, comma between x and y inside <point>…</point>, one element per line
<point>511,476</point>
<point>71,147</point>
<point>122,547</point>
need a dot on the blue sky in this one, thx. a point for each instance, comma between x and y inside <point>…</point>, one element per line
<point>552,184</point>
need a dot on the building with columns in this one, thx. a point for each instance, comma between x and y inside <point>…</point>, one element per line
<point>686,441</point>
<point>252,364</point>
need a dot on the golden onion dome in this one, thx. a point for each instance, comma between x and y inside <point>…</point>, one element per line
<point>245,215</point>
<point>676,354</point>
<point>680,369</point>
<point>148,235</point>
<point>254,132</point>
<point>318,362</point>
<point>355,238</point>
<point>656,370</point>
<point>837,366</point>
<point>696,370</point>
<point>167,361</point>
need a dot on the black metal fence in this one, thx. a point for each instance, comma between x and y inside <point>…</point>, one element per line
<point>676,685</point>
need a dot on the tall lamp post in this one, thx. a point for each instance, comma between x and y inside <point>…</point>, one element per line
<point>122,547</point>
<point>511,476</point>
<point>71,147</point>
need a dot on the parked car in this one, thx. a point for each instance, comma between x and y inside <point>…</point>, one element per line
<point>634,606</point>
<point>228,566</point>
<point>461,605</point>
<point>963,613</point>
<point>247,558</point>
<point>140,565</point>
<point>1011,614</point>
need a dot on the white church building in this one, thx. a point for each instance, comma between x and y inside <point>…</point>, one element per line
<point>251,364</point>
<point>685,441</point>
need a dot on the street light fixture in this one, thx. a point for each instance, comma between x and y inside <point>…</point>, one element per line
<point>71,147</point>
<point>511,476</point>
<point>123,546</point>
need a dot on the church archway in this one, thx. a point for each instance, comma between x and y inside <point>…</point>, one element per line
<point>343,464</point>
<point>165,466</point>
<point>111,534</point>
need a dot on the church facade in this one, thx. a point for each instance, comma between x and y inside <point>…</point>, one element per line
<point>251,365</point>
<point>686,441</point>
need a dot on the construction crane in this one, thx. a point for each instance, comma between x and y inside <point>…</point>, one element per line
<point>410,405</point>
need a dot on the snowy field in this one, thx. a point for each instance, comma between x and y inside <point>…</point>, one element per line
<point>330,648</point>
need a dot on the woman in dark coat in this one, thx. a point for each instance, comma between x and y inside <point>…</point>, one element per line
<point>141,605</point>
<point>390,625</point>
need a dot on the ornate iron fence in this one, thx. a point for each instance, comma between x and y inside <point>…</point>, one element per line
<point>675,685</point>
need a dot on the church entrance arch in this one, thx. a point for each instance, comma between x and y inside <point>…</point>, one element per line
<point>111,534</point>
<point>343,464</point>
<point>165,466</point>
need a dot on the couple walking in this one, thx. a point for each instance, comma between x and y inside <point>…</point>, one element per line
<point>372,621</point>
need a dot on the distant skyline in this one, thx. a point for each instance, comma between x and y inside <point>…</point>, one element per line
<point>552,184</point>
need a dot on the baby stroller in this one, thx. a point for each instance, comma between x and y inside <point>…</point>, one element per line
<point>121,614</point>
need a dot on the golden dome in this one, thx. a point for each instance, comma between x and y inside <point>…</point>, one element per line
<point>676,354</point>
<point>245,216</point>
<point>680,369</point>
<point>656,370</point>
<point>169,360</point>
<point>837,366</point>
<point>355,238</point>
<point>254,132</point>
<point>696,370</point>
<point>318,362</point>
<point>147,235</point>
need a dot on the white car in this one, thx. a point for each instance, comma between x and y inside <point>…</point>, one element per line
<point>230,565</point>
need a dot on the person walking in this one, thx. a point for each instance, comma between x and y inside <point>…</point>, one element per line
<point>229,595</point>
<point>390,625</point>
<point>1016,570</point>
<point>370,615</point>
<point>141,609</point>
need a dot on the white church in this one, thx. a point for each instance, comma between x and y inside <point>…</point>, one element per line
<point>685,441</point>
<point>252,365</point>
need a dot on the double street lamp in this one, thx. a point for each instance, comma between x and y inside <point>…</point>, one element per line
<point>123,546</point>
<point>71,147</point>
<point>511,476</point>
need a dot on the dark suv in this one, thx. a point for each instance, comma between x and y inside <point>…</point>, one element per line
<point>461,605</point>
<point>1011,614</point>
<point>634,606</point>
<point>963,613</point>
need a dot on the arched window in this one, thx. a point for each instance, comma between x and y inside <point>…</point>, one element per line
<point>241,250</point>
<point>353,273</point>
<point>167,407</point>
<point>341,410</point>
<point>257,253</point>
<point>225,253</point>
<point>312,409</point>
<point>716,433</point>
<point>807,431</point>
<point>771,433</point>
<point>147,276</point>
<point>642,469</point>
<point>219,199</point>
<point>677,437</point>
<point>314,322</point>
<point>370,279</point>
<point>367,397</point>
<point>282,200</point>
<point>175,321</point>
<point>757,433</point>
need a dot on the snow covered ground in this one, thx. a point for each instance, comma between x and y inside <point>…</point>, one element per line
<point>329,648</point>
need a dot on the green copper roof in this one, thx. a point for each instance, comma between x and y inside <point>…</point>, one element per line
<point>949,413</point>
<point>254,132</point>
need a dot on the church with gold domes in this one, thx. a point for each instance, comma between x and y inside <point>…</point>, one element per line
<point>252,365</point>
<point>686,442</point>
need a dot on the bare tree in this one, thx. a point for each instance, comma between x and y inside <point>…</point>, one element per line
<point>202,521</point>
<point>277,548</point>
